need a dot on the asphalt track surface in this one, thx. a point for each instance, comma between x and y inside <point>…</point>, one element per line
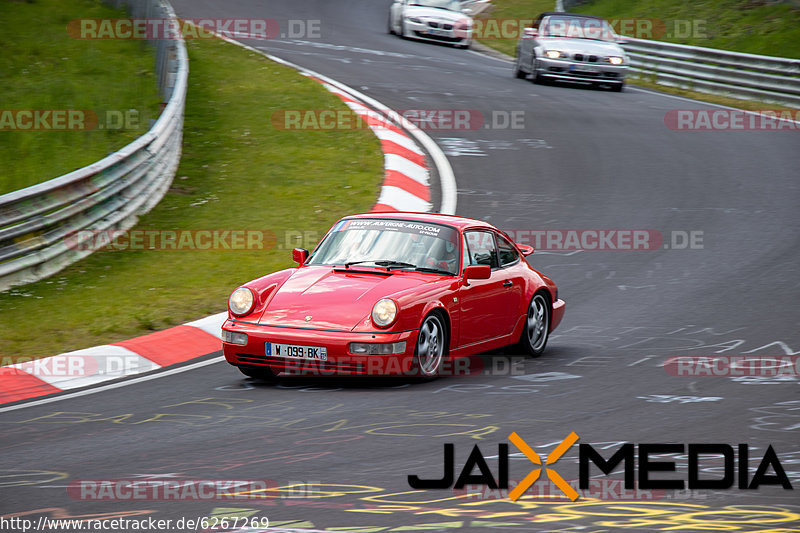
<point>586,159</point>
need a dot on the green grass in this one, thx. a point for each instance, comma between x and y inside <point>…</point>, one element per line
<point>506,42</point>
<point>43,67</point>
<point>237,172</point>
<point>751,26</point>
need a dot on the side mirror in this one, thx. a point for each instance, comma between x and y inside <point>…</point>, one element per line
<point>525,249</point>
<point>622,40</point>
<point>299,255</point>
<point>476,272</point>
<point>529,33</point>
<point>467,11</point>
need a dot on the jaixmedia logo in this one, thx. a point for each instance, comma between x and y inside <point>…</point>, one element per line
<point>627,455</point>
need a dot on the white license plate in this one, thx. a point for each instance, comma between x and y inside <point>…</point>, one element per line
<point>293,351</point>
<point>583,68</point>
<point>442,33</point>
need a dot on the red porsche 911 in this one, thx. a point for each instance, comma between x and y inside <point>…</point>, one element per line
<point>391,293</point>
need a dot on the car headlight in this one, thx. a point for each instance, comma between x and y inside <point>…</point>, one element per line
<point>615,60</point>
<point>415,20</point>
<point>384,312</point>
<point>241,301</point>
<point>555,54</point>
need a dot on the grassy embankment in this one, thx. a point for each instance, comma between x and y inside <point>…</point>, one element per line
<point>238,171</point>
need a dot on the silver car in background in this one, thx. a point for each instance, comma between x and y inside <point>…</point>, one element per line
<point>568,46</point>
<point>443,21</point>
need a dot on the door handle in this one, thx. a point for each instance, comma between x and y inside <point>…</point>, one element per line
<point>508,283</point>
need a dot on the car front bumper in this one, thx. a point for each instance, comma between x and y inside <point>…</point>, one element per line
<point>339,361</point>
<point>421,30</point>
<point>558,313</point>
<point>566,69</point>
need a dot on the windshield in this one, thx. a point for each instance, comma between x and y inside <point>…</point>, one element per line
<point>451,5</point>
<point>577,28</point>
<point>391,244</point>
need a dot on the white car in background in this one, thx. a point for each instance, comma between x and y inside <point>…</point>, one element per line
<point>443,21</point>
<point>572,47</point>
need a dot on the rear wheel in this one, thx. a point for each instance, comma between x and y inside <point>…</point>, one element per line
<point>537,326</point>
<point>431,344</point>
<point>264,373</point>
<point>617,87</point>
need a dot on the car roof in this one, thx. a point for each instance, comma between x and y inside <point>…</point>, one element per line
<point>450,220</point>
<point>565,14</point>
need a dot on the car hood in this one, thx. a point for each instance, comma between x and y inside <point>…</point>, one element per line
<point>334,298</point>
<point>433,13</point>
<point>582,46</point>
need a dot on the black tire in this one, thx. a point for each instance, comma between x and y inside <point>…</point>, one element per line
<point>264,373</point>
<point>518,72</point>
<point>538,78</point>
<point>537,325</point>
<point>432,340</point>
<point>617,87</point>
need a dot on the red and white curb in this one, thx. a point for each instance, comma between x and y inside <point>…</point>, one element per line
<point>99,364</point>
<point>406,187</point>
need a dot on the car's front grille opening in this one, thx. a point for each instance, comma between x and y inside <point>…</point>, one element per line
<point>444,38</point>
<point>295,366</point>
<point>442,25</point>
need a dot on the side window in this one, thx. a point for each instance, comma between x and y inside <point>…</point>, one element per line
<point>481,248</point>
<point>506,252</point>
<point>465,261</point>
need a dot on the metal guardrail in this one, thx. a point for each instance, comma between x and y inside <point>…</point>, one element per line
<point>768,79</point>
<point>40,225</point>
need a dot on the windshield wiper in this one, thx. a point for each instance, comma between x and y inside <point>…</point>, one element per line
<point>388,263</point>
<point>434,270</point>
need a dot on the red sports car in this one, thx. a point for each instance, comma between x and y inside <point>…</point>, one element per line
<point>392,293</point>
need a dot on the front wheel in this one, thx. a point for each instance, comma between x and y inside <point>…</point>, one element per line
<point>537,326</point>
<point>518,72</point>
<point>537,77</point>
<point>430,346</point>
